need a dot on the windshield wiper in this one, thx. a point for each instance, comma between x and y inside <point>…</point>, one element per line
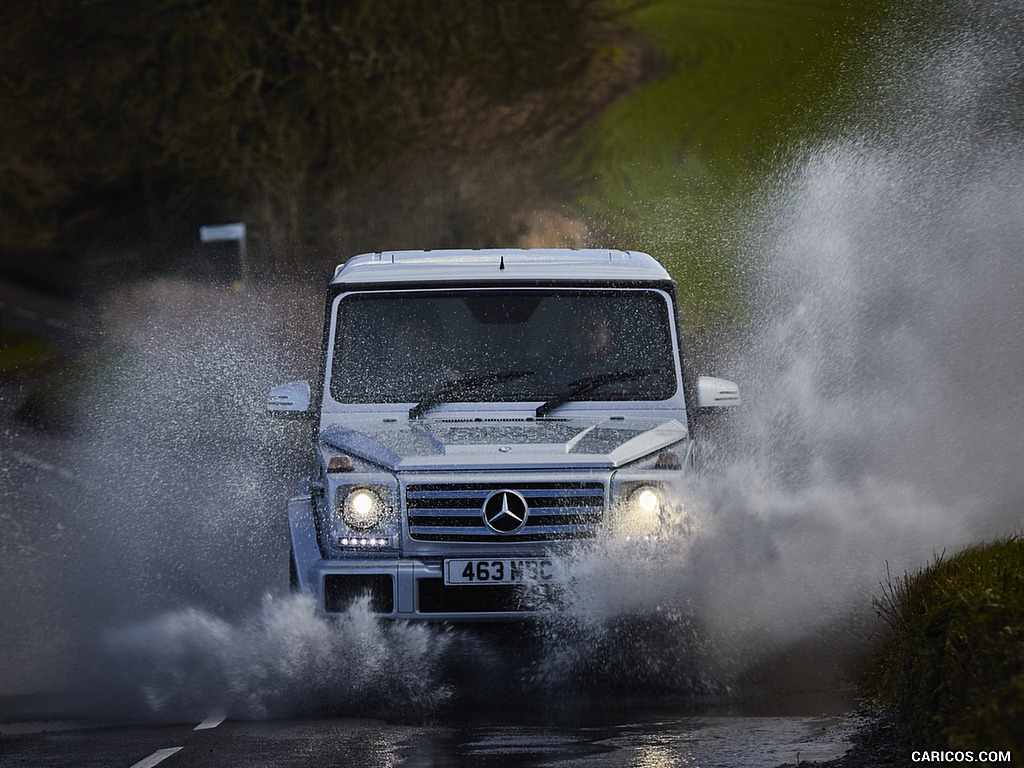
<point>456,386</point>
<point>589,384</point>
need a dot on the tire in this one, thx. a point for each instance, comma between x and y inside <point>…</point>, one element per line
<point>293,573</point>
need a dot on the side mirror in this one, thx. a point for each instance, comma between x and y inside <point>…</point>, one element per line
<point>716,393</point>
<point>290,401</point>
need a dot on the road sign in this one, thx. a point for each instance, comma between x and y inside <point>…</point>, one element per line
<point>222,232</point>
<point>230,233</point>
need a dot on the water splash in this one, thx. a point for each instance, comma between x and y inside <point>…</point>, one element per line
<point>894,282</point>
<point>283,661</point>
<point>882,400</point>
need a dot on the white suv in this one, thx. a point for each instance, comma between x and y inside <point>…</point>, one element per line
<point>479,412</point>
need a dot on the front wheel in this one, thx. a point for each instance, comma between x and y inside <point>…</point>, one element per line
<point>293,572</point>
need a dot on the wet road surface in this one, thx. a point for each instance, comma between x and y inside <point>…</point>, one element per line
<point>610,741</point>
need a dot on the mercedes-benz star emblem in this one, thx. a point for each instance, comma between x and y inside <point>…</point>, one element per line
<point>505,511</point>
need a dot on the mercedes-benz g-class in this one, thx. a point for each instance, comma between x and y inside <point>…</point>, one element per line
<point>479,412</point>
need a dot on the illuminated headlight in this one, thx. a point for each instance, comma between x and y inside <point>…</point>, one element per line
<point>362,509</point>
<point>646,500</point>
<point>641,512</point>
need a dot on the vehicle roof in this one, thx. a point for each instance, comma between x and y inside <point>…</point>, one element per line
<point>499,265</point>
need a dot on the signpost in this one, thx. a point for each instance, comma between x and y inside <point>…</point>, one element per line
<point>229,233</point>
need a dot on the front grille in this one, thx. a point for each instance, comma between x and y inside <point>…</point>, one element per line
<point>453,512</point>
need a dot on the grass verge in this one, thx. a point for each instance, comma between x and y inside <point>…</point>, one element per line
<point>24,355</point>
<point>58,402</point>
<point>952,666</point>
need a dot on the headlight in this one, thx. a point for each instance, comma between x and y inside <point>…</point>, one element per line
<point>362,509</point>
<point>646,500</point>
<point>641,512</point>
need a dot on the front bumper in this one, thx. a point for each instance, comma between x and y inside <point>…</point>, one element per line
<point>412,590</point>
<point>402,588</point>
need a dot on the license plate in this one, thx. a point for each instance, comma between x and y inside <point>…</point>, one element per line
<point>512,570</point>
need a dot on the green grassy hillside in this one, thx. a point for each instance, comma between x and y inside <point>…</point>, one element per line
<point>671,167</point>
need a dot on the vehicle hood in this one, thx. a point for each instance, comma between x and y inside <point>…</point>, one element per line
<point>501,444</point>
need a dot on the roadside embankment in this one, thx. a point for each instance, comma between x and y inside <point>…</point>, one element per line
<point>23,355</point>
<point>952,664</point>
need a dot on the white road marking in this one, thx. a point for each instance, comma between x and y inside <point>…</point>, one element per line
<point>45,466</point>
<point>211,722</point>
<point>157,757</point>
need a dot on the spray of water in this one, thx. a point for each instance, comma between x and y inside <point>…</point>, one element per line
<point>281,661</point>
<point>173,586</point>
<point>883,409</point>
<point>882,424</point>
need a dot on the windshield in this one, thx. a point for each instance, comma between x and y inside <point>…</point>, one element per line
<point>505,345</point>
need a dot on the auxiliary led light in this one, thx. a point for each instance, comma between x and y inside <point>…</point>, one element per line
<point>368,543</point>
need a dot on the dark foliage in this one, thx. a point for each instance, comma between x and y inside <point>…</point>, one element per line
<point>952,666</point>
<point>148,117</point>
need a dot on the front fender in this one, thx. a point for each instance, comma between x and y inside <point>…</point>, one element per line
<point>305,547</point>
